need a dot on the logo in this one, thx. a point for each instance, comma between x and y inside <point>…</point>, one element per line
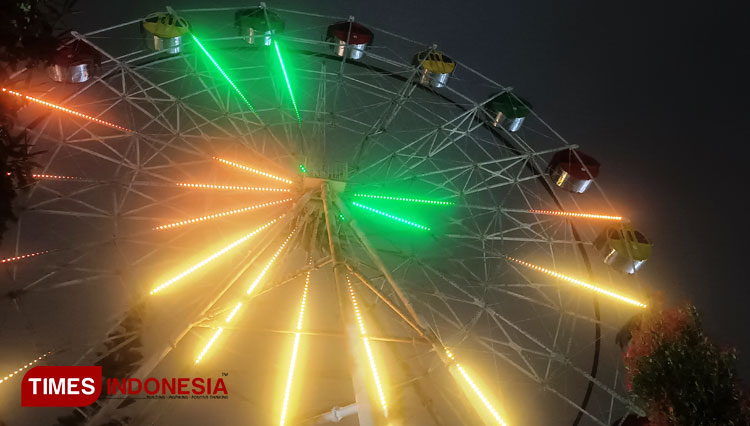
<point>61,386</point>
<point>68,386</point>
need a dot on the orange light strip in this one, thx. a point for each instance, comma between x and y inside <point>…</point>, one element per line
<point>368,349</point>
<point>66,110</point>
<point>222,214</point>
<point>25,366</point>
<point>205,261</point>
<point>579,283</point>
<point>252,170</point>
<point>232,187</point>
<point>23,256</point>
<point>56,177</point>
<point>577,215</point>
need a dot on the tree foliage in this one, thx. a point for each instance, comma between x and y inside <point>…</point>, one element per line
<point>29,33</point>
<point>120,356</point>
<point>679,375</point>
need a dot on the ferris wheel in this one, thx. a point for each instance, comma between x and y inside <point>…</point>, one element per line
<point>351,226</point>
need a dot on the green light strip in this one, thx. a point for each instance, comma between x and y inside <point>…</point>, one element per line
<point>390,216</point>
<point>288,84</point>
<point>223,73</point>
<point>302,168</point>
<point>408,200</point>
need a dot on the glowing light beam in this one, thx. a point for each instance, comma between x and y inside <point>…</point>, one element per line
<point>579,283</point>
<point>23,256</point>
<point>288,84</point>
<point>209,344</point>
<point>476,390</point>
<point>205,261</point>
<point>222,214</point>
<point>390,216</point>
<point>231,187</point>
<point>368,349</point>
<point>55,177</point>
<point>252,170</point>
<point>234,311</point>
<point>270,262</point>
<point>226,77</point>
<point>576,215</point>
<point>65,110</point>
<point>295,349</point>
<point>239,305</point>
<point>23,367</point>
<point>406,200</point>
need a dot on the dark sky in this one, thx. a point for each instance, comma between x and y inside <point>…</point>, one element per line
<point>655,90</point>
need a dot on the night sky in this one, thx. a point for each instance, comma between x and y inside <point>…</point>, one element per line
<point>655,90</point>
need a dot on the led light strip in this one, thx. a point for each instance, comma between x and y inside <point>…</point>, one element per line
<point>210,258</point>
<point>23,256</point>
<point>476,390</point>
<point>252,170</point>
<point>239,305</point>
<point>288,84</point>
<point>25,366</point>
<point>368,349</point>
<point>390,216</point>
<point>209,344</point>
<point>234,311</point>
<point>295,349</point>
<point>222,214</point>
<point>270,262</point>
<point>578,215</point>
<point>579,283</point>
<point>66,110</point>
<point>407,200</point>
<point>232,187</point>
<point>56,177</point>
<point>226,77</point>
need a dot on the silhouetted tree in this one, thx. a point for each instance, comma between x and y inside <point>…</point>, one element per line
<point>680,376</point>
<point>28,37</point>
<point>119,355</point>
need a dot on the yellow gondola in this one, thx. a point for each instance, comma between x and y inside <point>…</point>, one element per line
<point>434,67</point>
<point>624,248</point>
<point>164,31</point>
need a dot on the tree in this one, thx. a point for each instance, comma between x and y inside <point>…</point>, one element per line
<point>681,377</point>
<point>119,355</point>
<point>29,33</point>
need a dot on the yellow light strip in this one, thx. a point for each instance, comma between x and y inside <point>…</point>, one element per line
<point>476,390</point>
<point>23,367</point>
<point>203,262</point>
<point>234,311</point>
<point>579,283</point>
<point>222,214</point>
<point>23,256</point>
<point>65,110</point>
<point>232,187</point>
<point>252,170</point>
<point>290,375</point>
<point>368,349</point>
<point>209,344</point>
<point>270,262</point>
<point>239,305</point>
<point>577,215</point>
